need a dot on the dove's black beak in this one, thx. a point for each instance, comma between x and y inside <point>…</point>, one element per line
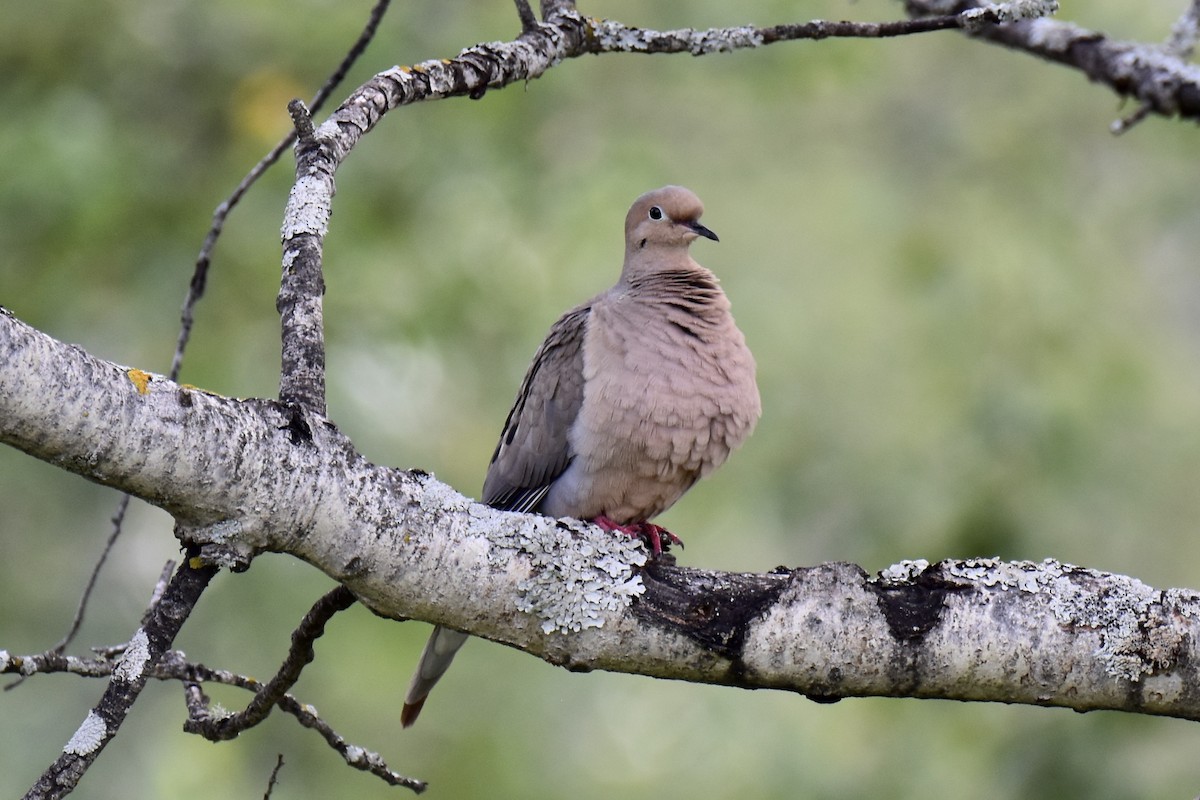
<point>702,231</point>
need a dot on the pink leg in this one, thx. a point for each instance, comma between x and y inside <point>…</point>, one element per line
<point>653,535</point>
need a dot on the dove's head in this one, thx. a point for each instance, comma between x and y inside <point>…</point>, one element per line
<point>664,218</point>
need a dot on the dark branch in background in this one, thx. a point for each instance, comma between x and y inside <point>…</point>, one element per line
<point>118,519</point>
<point>215,728</point>
<point>218,728</point>
<point>204,259</point>
<point>274,777</point>
<point>129,675</point>
<point>174,666</point>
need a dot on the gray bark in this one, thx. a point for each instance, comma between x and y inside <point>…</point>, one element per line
<point>246,476</point>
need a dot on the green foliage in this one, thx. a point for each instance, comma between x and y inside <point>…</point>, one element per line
<point>973,310</point>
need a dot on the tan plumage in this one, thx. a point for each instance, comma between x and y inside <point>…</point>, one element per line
<point>634,396</point>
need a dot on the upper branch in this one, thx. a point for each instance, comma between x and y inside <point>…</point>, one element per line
<point>563,34</point>
<point>302,284</point>
<point>1155,75</point>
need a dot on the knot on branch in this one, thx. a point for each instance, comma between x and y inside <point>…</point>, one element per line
<point>913,606</point>
<point>714,610</point>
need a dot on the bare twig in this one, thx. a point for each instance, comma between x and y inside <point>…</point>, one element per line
<point>274,777</point>
<point>354,756</point>
<point>224,727</point>
<point>218,727</point>
<point>174,666</point>
<point>118,518</point>
<point>204,259</point>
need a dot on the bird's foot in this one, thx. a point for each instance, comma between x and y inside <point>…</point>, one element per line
<point>656,537</point>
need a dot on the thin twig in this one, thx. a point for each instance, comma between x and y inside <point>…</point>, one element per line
<point>357,757</point>
<point>118,518</point>
<point>274,777</point>
<point>223,727</point>
<point>160,588</point>
<point>204,259</point>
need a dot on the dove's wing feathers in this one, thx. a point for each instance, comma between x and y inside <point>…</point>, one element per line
<point>534,447</point>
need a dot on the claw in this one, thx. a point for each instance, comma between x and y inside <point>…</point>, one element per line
<point>656,537</point>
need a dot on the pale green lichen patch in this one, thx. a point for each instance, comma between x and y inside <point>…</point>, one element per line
<point>904,572</point>
<point>578,574</point>
<point>975,18</point>
<point>575,574</point>
<point>133,661</point>
<point>1137,639</point>
<point>1026,576</point>
<point>88,737</point>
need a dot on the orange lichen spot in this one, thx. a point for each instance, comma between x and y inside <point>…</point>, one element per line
<point>140,379</point>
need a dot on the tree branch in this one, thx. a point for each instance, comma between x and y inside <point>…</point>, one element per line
<point>242,477</point>
<point>224,727</point>
<point>408,546</point>
<point>145,649</point>
<point>1158,77</point>
<point>174,666</point>
<point>204,259</point>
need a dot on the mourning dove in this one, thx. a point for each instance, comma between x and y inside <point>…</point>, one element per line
<point>634,396</point>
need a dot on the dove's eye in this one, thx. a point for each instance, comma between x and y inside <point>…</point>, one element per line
<point>655,212</point>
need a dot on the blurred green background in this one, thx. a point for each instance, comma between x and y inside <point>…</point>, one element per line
<point>974,310</point>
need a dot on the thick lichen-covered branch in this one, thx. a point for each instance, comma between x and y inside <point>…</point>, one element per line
<point>247,476</point>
